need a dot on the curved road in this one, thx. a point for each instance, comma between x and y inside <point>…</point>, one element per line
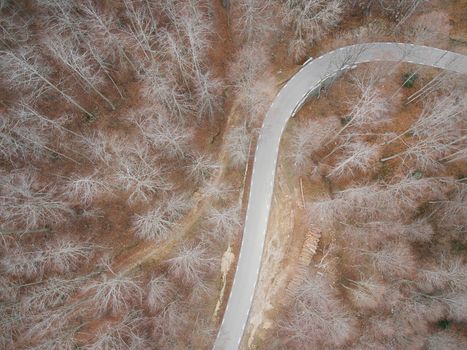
<point>290,98</point>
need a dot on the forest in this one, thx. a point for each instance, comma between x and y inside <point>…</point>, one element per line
<point>127,128</point>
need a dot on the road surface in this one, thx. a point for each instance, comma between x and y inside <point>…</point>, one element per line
<point>290,98</point>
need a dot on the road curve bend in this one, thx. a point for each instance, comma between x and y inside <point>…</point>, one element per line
<point>289,99</point>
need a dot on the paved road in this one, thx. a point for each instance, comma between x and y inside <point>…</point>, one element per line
<point>286,103</point>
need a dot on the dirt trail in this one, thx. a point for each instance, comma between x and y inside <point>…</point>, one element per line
<point>154,252</point>
<point>147,251</point>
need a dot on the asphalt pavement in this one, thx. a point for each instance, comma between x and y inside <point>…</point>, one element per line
<point>310,77</point>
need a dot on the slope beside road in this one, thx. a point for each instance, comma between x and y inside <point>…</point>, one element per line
<point>309,78</point>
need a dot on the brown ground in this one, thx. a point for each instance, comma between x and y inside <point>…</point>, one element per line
<point>286,231</point>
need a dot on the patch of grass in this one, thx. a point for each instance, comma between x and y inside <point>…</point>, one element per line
<point>409,79</point>
<point>458,247</point>
<point>443,324</point>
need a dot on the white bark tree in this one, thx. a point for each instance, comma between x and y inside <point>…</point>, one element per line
<point>142,29</point>
<point>367,293</point>
<point>161,85</point>
<point>357,158</point>
<point>79,63</point>
<point>123,334</point>
<point>170,137</point>
<point>21,138</point>
<point>393,260</point>
<point>86,189</point>
<point>317,317</point>
<point>238,145</point>
<point>308,139</point>
<point>159,292</point>
<point>157,223</point>
<point>24,68</point>
<point>208,90</point>
<point>202,167</point>
<point>310,21</point>
<point>436,135</point>
<point>446,339</point>
<point>106,35</point>
<point>60,256</point>
<point>113,293</point>
<point>449,273</point>
<point>254,19</point>
<point>190,263</point>
<point>139,176</point>
<point>25,206</point>
<point>225,221</point>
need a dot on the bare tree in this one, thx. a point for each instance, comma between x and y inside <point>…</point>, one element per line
<point>367,293</point>
<point>60,339</point>
<point>174,50</point>
<point>170,325</point>
<point>371,109</point>
<point>253,89</point>
<point>431,29</point>
<point>436,135</point>
<point>310,21</point>
<point>398,10</point>
<point>157,223</point>
<point>142,28</point>
<point>119,335</point>
<point>166,135</point>
<point>420,230</point>
<point>14,28</point>
<point>85,189</point>
<point>317,317</point>
<point>139,176</point>
<point>196,29</point>
<point>254,19</point>
<point>21,138</point>
<point>225,221</point>
<point>426,154</point>
<point>24,68</point>
<point>308,139</point>
<point>190,263</point>
<point>449,273</point>
<point>357,158</point>
<point>373,232</point>
<point>452,212</point>
<point>162,86</point>
<point>8,290</point>
<point>160,289</point>
<point>238,145</point>
<point>78,63</point>
<point>202,167</point>
<point>102,27</point>
<point>50,293</point>
<point>22,204</point>
<point>378,201</point>
<point>446,339</point>
<point>325,211</point>
<point>255,98</point>
<point>114,293</point>
<point>60,256</point>
<point>208,90</point>
<point>395,259</point>
<point>25,112</point>
<point>247,64</point>
<point>107,147</point>
<point>396,199</point>
<point>153,225</point>
<point>455,303</point>
<point>28,133</point>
